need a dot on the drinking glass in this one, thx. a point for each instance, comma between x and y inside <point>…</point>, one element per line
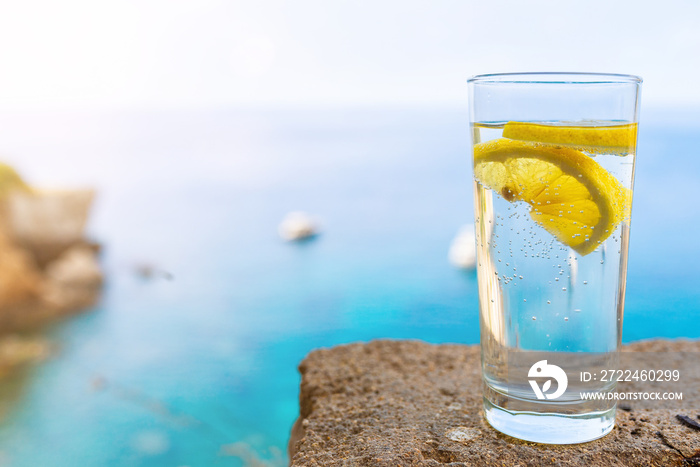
<point>554,161</point>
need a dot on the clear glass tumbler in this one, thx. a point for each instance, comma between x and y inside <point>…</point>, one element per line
<point>553,173</point>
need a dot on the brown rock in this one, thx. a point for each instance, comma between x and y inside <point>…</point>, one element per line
<point>408,403</point>
<point>47,222</point>
<point>20,278</point>
<point>31,297</point>
<point>47,269</point>
<point>73,280</point>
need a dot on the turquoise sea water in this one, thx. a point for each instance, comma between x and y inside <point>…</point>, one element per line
<point>201,369</point>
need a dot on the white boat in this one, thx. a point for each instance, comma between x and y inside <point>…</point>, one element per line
<point>463,249</point>
<point>297,225</point>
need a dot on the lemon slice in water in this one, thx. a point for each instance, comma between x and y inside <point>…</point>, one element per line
<point>612,139</point>
<point>571,196</point>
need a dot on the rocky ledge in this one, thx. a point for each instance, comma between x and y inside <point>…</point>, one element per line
<point>408,403</point>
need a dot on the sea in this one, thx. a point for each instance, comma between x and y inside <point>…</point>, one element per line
<point>190,357</point>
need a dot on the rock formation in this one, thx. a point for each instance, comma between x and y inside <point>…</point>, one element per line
<point>408,403</point>
<point>47,268</point>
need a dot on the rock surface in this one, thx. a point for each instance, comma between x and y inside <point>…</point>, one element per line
<point>408,403</point>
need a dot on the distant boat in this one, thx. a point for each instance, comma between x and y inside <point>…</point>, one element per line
<point>296,226</point>
<point>463,249</point>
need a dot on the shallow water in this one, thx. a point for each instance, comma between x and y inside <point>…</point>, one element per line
<point>201,369</point>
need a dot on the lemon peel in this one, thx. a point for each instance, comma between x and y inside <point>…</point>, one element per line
<point>612,139</point>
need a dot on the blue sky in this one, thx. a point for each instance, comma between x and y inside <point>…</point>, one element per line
<point>213,53</point>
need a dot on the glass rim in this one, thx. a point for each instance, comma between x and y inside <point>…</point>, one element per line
<point>555,77</point>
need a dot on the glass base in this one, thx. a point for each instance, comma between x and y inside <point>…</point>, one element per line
<point>550,428</point>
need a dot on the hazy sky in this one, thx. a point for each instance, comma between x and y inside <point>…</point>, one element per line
<point>174,53</point>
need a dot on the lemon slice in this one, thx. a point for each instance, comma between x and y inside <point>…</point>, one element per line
<point>614,139</point>
<point>571,196</point>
